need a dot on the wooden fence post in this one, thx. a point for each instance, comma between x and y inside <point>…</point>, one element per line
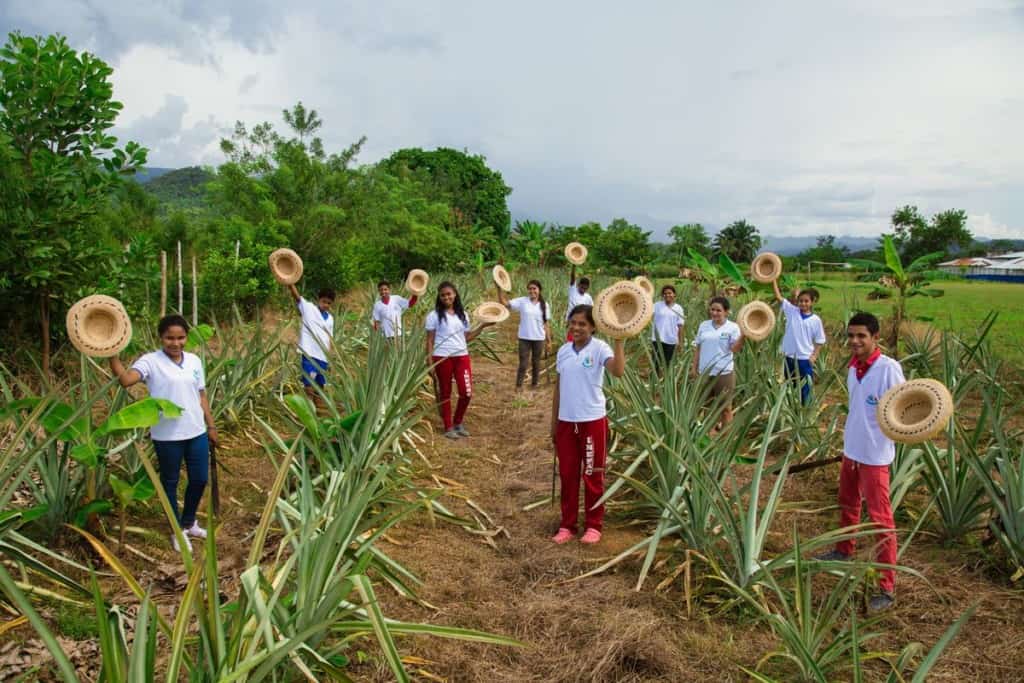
<point>181,287</point>
<point>163,283</point>
<point>195,294</point>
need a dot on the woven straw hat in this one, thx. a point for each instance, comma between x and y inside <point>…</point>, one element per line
<point>416,281</point>
<point>98,326</point>
<point>490,312</point>
<point>575,253</point>
<point>756,320</point>
<point>766,267</point>
<point>286,266</point>
<point>502,278</point>
<point>645,284</point>
<point>623,310</point>
<point>915,411</point>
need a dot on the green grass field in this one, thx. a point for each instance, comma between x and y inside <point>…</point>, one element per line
<point>962,308</point>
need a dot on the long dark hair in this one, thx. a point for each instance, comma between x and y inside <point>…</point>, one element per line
<point>440,309</point>
<point>540,298</point>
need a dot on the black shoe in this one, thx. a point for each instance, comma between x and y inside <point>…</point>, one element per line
<point>881,602</point>
<point>832,556</point>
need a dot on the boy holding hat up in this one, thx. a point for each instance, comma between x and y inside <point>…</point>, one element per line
<point>578,296</point>
<point>803,339</point>
<point>316,332</point>
<point>867,452</point>
<point>387,312</point>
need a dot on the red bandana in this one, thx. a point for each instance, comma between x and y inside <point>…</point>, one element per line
<point>385,300</point>
<point>862,367</point>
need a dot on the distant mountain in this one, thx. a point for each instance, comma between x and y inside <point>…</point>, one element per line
<point>183,186</point>
<point>791,246</point>
<point>149,174</point>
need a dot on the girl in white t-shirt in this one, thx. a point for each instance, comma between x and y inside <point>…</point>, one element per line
<point>666,325</point>
<point>716,341</point>
<point>534,329</point>
<point>579,426</point>
<point>177,376</point>
<point>448,335</point>
<point>803,339</point>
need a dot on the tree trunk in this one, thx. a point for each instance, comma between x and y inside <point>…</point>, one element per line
<point>44,328</point>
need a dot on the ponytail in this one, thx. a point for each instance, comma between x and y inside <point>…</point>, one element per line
<point>540,299</point>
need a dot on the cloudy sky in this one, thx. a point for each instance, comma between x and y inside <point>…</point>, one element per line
<point>802,117</point>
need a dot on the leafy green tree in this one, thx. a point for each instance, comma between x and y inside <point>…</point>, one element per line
<point>623,244</point>
<point>945,232</point>
<point>687,237</point>
<point>56,106</point>
<point>739,241</point>
<point>825,250</point>
<point>476,193</point>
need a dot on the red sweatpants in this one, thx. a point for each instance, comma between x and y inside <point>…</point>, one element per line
<point>858,481</point>
<point>581,446</point>
<point>447,368</point>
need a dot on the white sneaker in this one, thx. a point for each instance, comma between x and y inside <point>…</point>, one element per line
<point>177,548</point>
<point>195,531</point>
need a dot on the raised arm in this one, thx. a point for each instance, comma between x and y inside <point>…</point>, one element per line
<point>778,292</point>
<point>572,275</point>
<point>294,291</point>
<point>502,297</point>
<point>616,365</point>
<point>126,377</point>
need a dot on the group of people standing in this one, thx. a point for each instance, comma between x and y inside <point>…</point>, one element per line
<point>579,424</point>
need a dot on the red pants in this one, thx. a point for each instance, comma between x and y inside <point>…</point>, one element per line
<point>446,369</point>
<point>581,446</point>
<point>858,481</point>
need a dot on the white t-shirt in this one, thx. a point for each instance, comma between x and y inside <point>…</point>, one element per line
<point>315,331</point>
<point>575,299</point>
<point>179,384</point>
<point>449,337</point>
<point>715,346</point>
<point>863,441</point>
<point>531,322</point>
<point>389,315</point>
<point>581,381</point>
<point>801,333</point>
<point>666,322</point>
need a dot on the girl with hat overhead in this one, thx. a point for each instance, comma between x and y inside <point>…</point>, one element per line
<point>177,376</point>
<point>803,338</point>
<point>388,310</point>
<point>534,329</point>
<point>448,336</point>
<point>579,426</point>
<point>717,340</point>
<point>667,325</point>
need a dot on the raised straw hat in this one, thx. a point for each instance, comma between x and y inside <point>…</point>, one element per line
<point>645,284</point>
<point>98,326</point>
<point>502,278</point>
<point>623,310</point>
<point>756,320</point>
<point>286,266</point>
<point>416,281</point>
<point>915,411</point>
<point>490,312</point>
<point>575,253</point>
<point>766,267</point>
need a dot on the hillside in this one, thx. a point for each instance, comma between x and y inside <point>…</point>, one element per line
<point>180,186</point>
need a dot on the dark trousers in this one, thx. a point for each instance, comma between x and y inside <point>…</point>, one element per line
<point>196,454</point>
<point>801,371</point>
<point>663,351</point>
<point>529,350</point>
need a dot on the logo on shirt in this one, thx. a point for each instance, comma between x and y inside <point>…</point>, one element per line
<point>871,400</point>
<point>587,361</point>
<point>195,374</point>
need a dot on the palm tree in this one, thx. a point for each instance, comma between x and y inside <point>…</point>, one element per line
<point>739,241</point>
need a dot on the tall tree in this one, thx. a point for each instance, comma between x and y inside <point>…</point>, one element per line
<point>624,244</point>
<point>825,250</point>
<point>739,241</point>
<point>689,236</point>
<point>56,106</point>
<point>946,232</point>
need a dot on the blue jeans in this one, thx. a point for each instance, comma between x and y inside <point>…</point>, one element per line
<point>196,454</point>
<point>315,369</point>
<point>801,371</point>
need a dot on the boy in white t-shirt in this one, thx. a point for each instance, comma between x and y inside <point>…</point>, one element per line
<point>803,339</point>
<point>316,333</point>
<point>387,312</point>
<point>867,452</point>
<point>578,296</point>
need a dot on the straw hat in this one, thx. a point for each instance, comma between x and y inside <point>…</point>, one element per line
<point>416,281</point>
<point>915,411</point>
<point>286,266</point>
<point>575,253</point>
<point>502,278</point>
<point>98,326</point>
<point>766,267</point>
<point>490,312</point>
<point>645,284</point>
<point>623,310</point>
<point>756,320</point>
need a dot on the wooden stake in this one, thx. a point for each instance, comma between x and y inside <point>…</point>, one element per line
<point>181,284</point>
<point>163,283</point>
<point>195,294</point>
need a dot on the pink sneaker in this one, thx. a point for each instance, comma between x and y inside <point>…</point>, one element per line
<point>563,536</point>
<point>591,536</point>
